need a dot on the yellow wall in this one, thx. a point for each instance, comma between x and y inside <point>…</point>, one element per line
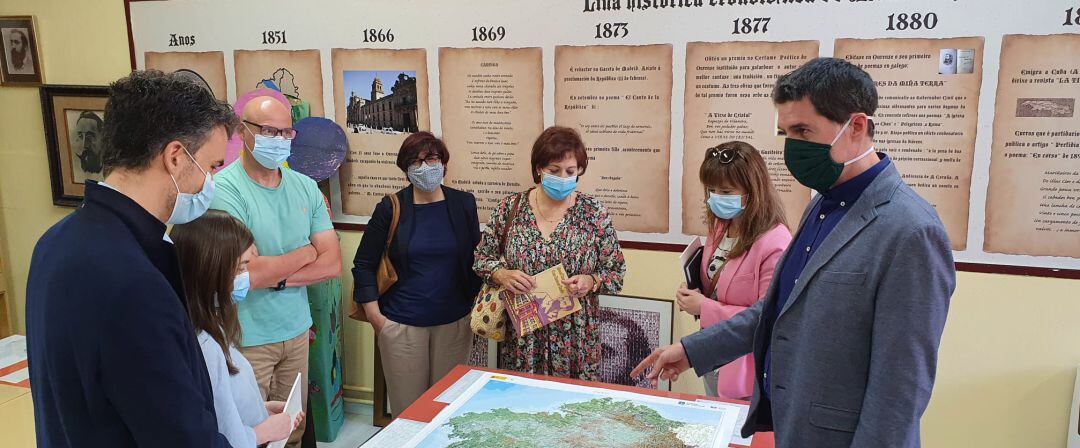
<point>1008,357</point>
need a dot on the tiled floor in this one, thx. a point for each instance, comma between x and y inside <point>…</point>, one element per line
<point>357,428</point>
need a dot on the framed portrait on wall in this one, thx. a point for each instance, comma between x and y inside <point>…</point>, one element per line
<point>74,118</point>
<point>630,329</point>
<point>20,52</point>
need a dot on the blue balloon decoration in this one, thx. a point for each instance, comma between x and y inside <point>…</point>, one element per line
<point>318,149</point>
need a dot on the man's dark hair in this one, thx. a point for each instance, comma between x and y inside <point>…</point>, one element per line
<point>22,37</point>
<point>148,109</point>
<point>836,88</point>
<point>92,116</point>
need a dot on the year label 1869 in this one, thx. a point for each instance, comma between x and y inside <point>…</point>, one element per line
<point>488,34</point>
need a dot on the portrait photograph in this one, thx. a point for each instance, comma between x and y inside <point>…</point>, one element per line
<point>20,62</point>
<point>74,119</point>
<point>630,329</point>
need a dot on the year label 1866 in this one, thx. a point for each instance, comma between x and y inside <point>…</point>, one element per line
<point>378,35</point>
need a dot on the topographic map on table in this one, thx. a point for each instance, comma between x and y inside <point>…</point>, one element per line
<point>500,411</point>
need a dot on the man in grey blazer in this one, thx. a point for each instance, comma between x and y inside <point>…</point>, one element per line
<point>845,341</point>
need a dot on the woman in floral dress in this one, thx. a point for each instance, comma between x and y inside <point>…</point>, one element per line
<point>555,224</point>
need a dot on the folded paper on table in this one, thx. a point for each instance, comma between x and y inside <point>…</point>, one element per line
<point>547,303</point>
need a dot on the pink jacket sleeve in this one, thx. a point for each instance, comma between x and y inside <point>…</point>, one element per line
<point>714,312</point>
<point>768,250</point>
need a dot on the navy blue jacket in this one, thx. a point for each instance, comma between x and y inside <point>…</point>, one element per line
<point>463,220</point>
<point>114,361</point>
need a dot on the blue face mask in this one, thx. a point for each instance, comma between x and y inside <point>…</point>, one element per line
<point>558,188</point>
<point>241,285</point>
<point>271,152</point>
<point>725,206</point>
<point>189,206</point>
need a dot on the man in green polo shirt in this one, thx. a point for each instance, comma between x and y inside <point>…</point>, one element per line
<point>296,244</point>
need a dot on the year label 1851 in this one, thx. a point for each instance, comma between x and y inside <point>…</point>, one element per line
<point>273,37</point>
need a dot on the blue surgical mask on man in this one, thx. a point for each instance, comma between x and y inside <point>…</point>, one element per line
<point>558,188</point>
<point>241,285</point>
<point>271,152</point>
<point>725,206</point>
<point>189,206</point>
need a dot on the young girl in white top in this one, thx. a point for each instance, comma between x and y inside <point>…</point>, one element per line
<point>213,252</point>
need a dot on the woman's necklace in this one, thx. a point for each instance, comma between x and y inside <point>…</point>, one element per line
<point>536,201</point>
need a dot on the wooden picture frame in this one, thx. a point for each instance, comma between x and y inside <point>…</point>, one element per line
<point>20,52</point>
<point>74,124</point>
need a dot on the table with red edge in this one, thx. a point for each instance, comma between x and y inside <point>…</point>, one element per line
<point>426,408</point>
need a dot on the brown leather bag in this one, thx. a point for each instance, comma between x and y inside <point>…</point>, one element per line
<point>385,275</point>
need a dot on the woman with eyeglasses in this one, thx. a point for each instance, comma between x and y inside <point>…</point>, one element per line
<point>747,235</point>
<point>546,225</point>
<point>422,321</point>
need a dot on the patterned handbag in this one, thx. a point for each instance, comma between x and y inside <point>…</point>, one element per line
<point>489,318</point>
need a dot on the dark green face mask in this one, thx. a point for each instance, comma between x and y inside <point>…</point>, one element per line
<point>811,164</point>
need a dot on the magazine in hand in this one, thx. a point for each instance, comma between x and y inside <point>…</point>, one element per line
<point>549,302</point>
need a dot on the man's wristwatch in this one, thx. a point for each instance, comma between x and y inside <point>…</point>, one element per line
<point>280,286</point>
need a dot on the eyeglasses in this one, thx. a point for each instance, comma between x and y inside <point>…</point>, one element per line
<point>726,155</point>
<point>270,131</point>
<point>430,160</point>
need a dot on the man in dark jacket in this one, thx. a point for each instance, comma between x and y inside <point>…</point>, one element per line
<point>113,357</point>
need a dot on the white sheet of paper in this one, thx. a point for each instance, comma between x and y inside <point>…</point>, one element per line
<point>292,407</point>
<point>736,437</point>
<point>12,350</point>
<point>16,377</point>
<point>398,433</point>
<point>459,387</point>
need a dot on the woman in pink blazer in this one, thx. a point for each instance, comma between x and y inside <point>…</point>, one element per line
<point>747,235</point>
